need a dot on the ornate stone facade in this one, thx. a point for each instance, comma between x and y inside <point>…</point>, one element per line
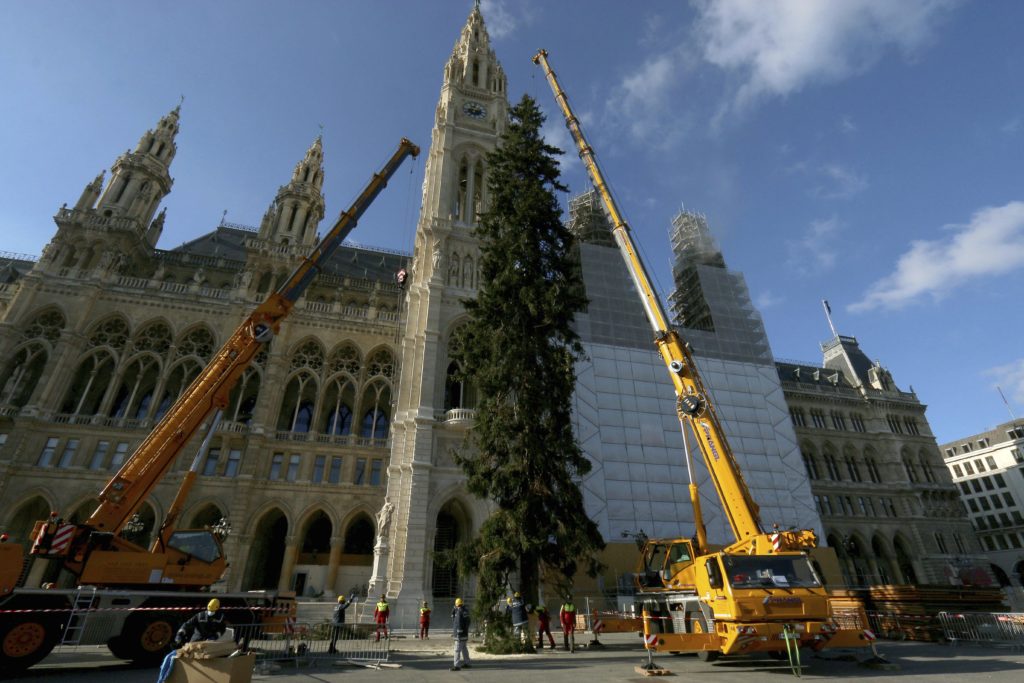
<point>888,504</point>
<point>106,330</point>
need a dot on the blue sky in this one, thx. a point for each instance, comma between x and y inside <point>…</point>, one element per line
<point>865,151</point>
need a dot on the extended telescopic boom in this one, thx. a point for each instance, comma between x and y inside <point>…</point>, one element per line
<point>692,404</point>
<point>211,390</point>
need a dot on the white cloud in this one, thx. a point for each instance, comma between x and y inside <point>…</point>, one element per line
<point>500,21</point>
<point>1011,127</point>
<point>1010,378</point>
<point>779,46</point>
<point>841,183</point>
<point>641,101</point>
<point>991,244</point>
<point>768,299</point>
<point>847,125</point>
<point>814,251</point>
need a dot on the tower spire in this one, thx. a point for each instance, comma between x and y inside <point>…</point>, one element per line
<point>139,179</point>
<point>299,206</point>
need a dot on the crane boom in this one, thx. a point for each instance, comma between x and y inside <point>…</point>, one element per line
<point>212,388</point>
<point>692,401</point>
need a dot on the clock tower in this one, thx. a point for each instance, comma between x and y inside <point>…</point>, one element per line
<point>427,507</point>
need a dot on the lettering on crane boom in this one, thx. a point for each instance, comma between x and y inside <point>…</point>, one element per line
<point>711,442</point>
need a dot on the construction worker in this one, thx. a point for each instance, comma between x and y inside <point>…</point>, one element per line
<point>460,632</point>
<point>380,615</point>
<point>424,621</point>
<point>544,626</point>
<point>206,625</point>
<point>338,621</point>
<point>520,619</point>
<point>567,615</point>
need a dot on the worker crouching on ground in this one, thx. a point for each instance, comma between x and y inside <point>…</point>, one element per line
<point>206,625</point>
<point>380,615</point>
<point>516,609</point>
<point>567,615</point>
<point>460,632</point>
<point>338,628</point>
<point>424,621</point>
<point>544,626</point>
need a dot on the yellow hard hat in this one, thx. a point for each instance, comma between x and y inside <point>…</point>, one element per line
<point>458,602</point>
<point>508,600</point>
<point>341,598</point>
<point>213,605</point>
<point>518,595</point>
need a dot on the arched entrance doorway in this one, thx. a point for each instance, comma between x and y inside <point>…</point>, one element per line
<point>451,526</point>
<point>314,553</point>
<point>267,550</point>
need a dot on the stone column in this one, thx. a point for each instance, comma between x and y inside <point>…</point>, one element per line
<point>291,554</point>
<point>333,563</point>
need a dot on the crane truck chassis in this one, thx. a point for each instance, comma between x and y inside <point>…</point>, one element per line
<point>146,593</point>
<point>761,593</point>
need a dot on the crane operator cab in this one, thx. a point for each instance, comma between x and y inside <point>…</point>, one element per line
<point>665,564</point>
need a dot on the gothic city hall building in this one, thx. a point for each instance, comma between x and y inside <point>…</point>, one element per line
<point>334,459</point>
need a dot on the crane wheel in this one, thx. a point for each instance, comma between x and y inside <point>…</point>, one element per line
<point>145,638</point>
<point>25,640</point>
<point>698,624</point>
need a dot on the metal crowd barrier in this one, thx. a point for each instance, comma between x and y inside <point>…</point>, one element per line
<point>895,626</point>
<point>984,628</point>
<point>303,642</point>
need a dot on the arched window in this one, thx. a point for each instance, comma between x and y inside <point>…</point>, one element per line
<point>832,466</point>
<point>338,401</point>
<point>112,332</point>
<point>811,464</point>
<point>244,396</point>
<point>461,191</point>
<point>155,338</point>
<point>197,342</point>
<point>89,385</point>
<point>135,394</point>
<point>381,364</point>
<point>179,377</point>
<point>377,405</point>
<point>872,466</point>
<point>346,359</point>
<point>926,467</point>
<point>478,190</point>
<point>22,374</point>
<point>299,403</point>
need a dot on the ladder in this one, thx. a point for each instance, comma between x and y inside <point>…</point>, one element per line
<point>80,608</point>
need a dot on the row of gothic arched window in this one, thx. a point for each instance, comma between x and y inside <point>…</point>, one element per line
<point>857,467</point>
<point>139,375</point>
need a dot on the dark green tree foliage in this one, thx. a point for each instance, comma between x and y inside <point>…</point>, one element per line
<point>519,350</point>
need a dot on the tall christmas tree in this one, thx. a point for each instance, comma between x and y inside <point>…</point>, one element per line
<point>519,349</point>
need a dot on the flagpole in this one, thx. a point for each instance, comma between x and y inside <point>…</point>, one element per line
<point>828,316</point>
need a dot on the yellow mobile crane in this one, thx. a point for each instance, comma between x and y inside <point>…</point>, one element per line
<point>759,594</point>
<point>150,591</point>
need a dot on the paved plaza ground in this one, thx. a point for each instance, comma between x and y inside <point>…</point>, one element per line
<point>429,661</point>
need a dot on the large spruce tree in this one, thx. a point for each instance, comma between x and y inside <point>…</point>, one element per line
<point>519,350</point>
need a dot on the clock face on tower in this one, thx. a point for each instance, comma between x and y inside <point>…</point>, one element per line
<point>474,110</point>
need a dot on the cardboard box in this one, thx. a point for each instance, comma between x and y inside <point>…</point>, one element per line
<point>207,649</point>
<point>219,670</point>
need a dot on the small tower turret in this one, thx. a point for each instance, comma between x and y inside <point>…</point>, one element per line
<point>140,179</point>
<point>299,206</point>
<point>91,193</point>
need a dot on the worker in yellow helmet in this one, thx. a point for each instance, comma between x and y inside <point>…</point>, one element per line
<point>460,632</point>
<point>206,625</point>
